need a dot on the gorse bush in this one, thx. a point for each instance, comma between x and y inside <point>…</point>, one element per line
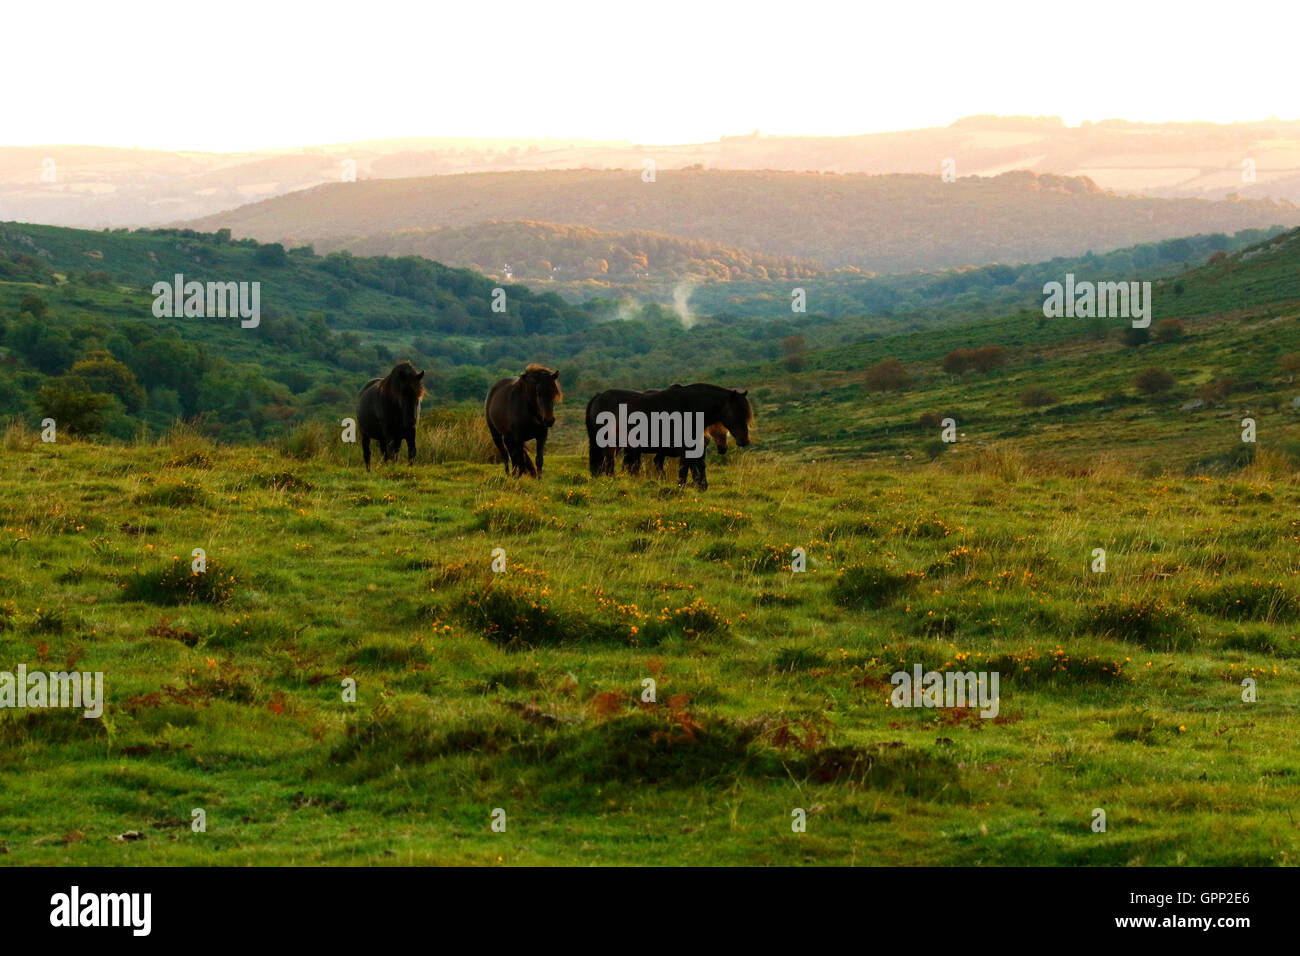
<point>521,615</point>
<point>690,620</point>
<point>1153,381</point>
<point>1038,397</point>
<point>177,583</point>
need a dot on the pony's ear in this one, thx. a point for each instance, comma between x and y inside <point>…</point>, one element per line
<point>420,376</point>
<point>555,374</point>
<point>743,393</point>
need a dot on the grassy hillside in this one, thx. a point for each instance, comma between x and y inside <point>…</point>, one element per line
<point>880,223</point>
<point>1232,353</point>
<point>1120,690</point>
<point>522,690</point>
<point>388,293</point>
<point>96,343</point>
<point>86,347</point>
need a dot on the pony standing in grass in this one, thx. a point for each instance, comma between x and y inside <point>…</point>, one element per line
<point>523,409</point>
<point>727,407</point>
<point>388,410</point>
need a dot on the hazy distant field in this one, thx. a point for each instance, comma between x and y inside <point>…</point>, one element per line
<point>522,690</point>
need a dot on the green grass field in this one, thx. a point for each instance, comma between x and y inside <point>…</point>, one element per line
<point>523,690</point>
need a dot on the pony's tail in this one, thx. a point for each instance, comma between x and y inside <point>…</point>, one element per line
<point>595,454</point>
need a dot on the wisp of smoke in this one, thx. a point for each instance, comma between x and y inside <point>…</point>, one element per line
<point>627,309</point>
<point>682,303</point>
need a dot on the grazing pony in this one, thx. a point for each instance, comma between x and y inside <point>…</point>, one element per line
<point>520,409</point>
<point>726,407</point>
<point>717,431</point>
<point>387,411</point>
<point>632,456</point>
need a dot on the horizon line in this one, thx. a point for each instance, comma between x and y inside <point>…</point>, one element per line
<point>624,143</point>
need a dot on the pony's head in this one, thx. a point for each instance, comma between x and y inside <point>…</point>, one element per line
<point>406,381</point>
<point>736,415</point>
<point>541,391</point>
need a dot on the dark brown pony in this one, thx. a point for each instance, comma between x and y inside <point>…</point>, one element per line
<point>388,410</point>
<point>717,432</point>
<point>522,409</point>
<point>726,407</point>
<point>632,457</point>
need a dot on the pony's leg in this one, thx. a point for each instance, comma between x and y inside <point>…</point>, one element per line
<point>701,481</point>
<point>410,444</point>
<point>659,463</point>
<point>519,460</point>
<point>365,449</point>
<point>525,463</point>
<point>541,451</point>
<point>501,446</point>
<point>632,461</point>
<point>681,471</point>
<point>595,454</point>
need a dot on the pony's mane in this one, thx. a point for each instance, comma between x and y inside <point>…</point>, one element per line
<point>749,407</point>
<point>533,367</point>
<point>387,386</point>
<point>749,410</point>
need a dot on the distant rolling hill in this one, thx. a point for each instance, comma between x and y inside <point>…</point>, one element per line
<point>98,186</point>
<point>524,250</point>
<point>894,223</point>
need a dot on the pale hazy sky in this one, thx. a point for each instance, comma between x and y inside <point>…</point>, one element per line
<point>239,75</point>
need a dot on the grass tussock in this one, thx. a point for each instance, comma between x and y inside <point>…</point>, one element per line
<point>872,585</point>
<point>177,583</point>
